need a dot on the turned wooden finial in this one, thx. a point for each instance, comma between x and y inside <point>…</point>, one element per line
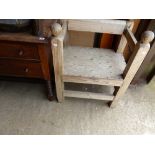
<point>147,37</point>
<point>56,29</point>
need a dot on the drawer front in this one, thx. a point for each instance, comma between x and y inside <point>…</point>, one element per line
<point>23,51</point>
<point>20,68</point>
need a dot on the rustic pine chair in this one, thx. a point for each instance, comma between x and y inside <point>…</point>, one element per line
<point>97,66</point>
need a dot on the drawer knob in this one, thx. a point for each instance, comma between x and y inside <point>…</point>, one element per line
<point>26,70</point>
<point>21,52</point>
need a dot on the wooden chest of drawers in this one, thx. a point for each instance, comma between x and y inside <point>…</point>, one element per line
<point>18,68</point>
<point>30,59</point>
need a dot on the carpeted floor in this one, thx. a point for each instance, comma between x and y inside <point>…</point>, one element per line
<point>24,109</point>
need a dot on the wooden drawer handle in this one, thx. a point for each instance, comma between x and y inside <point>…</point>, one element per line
<point>26,70</point>
<point>21,52</point>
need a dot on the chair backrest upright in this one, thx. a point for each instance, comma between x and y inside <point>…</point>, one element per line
<point>98,25</point>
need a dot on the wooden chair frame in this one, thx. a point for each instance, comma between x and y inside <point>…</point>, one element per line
<point>140,50</point>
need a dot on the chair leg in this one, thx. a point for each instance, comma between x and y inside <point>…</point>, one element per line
<point>116,88</point>
<point>59,91</point>
<point>59,83</point>
<point>57,50</point>
<point>140,51</point>
<point>119,92</point>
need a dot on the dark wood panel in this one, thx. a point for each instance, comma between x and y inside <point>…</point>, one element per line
<point>10,50</point>
<point>106,40</point>
<point>27,56</point>
<point>43,26</point>
<point>22,37</point>
<point>20,68</point>
<point>43,52</point>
